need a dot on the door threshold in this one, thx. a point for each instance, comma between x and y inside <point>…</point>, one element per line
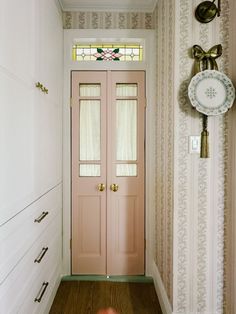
<point>141,278</point>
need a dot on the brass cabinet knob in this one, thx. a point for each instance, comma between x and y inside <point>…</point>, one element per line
<point>39,85</point>
<point>114,187</point>
<point>43,88</point>
<point>101,187</point>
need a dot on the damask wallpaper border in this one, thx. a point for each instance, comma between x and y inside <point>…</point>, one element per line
<point>108,20</point>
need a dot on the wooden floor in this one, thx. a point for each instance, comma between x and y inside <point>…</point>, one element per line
<point>87,297</point>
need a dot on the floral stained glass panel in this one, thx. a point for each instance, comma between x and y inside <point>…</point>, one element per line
<point>107,52</point>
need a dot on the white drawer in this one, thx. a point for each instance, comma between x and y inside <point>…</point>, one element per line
<point>50,279</point>
<point>28,275</point>
<point>18,235</point>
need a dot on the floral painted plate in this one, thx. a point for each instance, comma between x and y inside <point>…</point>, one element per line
<point>211,92</point>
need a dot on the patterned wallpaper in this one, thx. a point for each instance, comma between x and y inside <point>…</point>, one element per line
<point>108,20</point>
<point>165,143</point>
<point>225,67</point>
<point>191,207</point>
<point>199,183</point>
<point>230,213</point>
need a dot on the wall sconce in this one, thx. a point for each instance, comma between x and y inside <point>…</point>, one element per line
<point>207,11</point>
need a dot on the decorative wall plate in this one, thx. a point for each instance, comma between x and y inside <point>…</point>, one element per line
<point>211,92</point>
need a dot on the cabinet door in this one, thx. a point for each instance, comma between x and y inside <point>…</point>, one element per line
<point>17,68</point>
<point>48,109</point>
<point>47,144</point>
<point>17,33</point>
<point>30,121</point>
<point>50,49</point>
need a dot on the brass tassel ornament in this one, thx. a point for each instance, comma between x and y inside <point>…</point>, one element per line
<point>204,139</point>
<point>205,60</point>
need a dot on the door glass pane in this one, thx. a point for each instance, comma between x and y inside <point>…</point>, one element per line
<point>90,137</point>
<point>126,128</point>
<point>126,170</point>
<point>123,90</point>
<point>86,90</point>
<point>89,170</point>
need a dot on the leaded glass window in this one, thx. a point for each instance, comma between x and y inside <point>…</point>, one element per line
<point>107,52</point>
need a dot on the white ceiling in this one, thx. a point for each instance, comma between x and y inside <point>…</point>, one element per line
<point>109,5</point>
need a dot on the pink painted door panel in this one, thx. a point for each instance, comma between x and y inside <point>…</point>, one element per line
<point>108,110</point>
<point>125,212</point>
<point>88,171</point>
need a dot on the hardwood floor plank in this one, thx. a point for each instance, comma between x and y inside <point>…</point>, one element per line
<point>143,298</point>
<point>87,297</point>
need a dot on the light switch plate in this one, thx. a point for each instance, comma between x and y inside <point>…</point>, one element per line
<point>194,144</point>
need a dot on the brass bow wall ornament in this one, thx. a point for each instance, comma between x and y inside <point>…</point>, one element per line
<point>205,60</point>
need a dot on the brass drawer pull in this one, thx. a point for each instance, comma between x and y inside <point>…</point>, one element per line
<point>41,292</point>
<point>41,217</point>
<point>41,255</point>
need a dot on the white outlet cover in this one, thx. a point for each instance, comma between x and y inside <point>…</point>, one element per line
<point>194,144</point>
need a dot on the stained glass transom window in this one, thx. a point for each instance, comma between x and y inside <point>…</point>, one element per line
<point>107,52</point>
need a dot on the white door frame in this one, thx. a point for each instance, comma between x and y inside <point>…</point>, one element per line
<point>147,38</point>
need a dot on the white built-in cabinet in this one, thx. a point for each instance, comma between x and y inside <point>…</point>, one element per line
<point>31,51</point>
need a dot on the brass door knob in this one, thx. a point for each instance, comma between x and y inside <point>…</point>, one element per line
<point>101,187</point>
<point>114,187</point>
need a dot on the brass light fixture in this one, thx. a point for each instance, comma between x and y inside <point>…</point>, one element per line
<point>207,11</point>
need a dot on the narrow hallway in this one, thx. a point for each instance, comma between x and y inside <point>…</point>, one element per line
<point>87,297</point>
<point>104,108</point>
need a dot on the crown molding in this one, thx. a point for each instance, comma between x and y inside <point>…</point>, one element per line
<point>108,6</point>
<point>59,6</point>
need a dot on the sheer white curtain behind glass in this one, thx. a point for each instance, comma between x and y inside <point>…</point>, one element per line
<point>90,130</point>
<point>126,126</point>
<point>126,130</point>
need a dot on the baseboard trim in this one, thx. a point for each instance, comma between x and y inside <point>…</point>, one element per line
<point>144,279</point>
<point>160,290</point>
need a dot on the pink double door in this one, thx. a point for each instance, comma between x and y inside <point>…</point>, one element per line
<point>108,114</point>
